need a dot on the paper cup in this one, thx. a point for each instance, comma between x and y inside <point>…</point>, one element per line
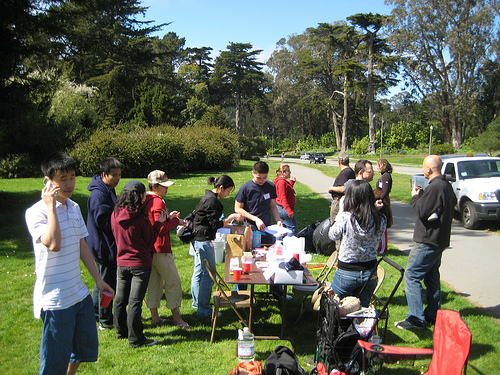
<point>106,299</point>
<point>247,266</point>
<point>237,273</point>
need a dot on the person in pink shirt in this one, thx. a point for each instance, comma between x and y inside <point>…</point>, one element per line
<point>285,200</point>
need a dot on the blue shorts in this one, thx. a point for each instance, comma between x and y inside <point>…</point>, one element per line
<point>69,335</point>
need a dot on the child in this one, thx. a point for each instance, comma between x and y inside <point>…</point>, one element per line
<point>60,297</point>
<point>134,237</point>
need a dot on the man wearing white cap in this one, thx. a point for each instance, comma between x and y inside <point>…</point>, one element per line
<point>164,275</point>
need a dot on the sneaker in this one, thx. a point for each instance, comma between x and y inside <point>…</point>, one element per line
<point>150,342</point>
<point>103,327</point>
<point>406,324</point>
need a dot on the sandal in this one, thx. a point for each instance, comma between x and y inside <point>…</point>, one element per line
<point>184,326</point>
<point>160,323</point>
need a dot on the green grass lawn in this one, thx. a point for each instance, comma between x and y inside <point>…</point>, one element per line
<point>189,352</point>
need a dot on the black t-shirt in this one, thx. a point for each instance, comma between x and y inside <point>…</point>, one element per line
<point>344,175</point>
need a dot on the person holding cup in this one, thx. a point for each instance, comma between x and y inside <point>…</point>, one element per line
<point>207,219</point>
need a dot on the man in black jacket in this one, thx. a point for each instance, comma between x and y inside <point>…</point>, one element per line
<point>434,209</point>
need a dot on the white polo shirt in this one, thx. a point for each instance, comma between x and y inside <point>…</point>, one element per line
<point>59,283</point>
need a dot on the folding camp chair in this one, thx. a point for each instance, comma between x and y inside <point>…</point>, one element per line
<point>225,297</point>
<point>307,290</point>
<point>451,342</point>
<point>337,336</point>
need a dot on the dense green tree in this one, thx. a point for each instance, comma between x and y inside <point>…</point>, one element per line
<point>238,73</point>
<point>379,59</point>
<point>444,44</point>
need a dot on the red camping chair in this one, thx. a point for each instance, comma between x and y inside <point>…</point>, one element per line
<point>451,342</point>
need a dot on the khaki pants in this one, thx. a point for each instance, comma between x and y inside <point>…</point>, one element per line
<point>164,276</point>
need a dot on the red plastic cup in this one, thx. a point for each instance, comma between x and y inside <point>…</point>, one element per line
<point>237,274</point>
<point>247,266</point>
<point>106,299</point>
<point>296,256</point>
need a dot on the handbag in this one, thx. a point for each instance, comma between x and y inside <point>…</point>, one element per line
<point>186,233</point>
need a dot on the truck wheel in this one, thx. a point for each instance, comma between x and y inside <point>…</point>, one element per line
<point>469,216</point>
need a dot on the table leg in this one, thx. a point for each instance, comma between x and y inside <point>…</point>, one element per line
<point>283,311</point>
<point>250,313</point>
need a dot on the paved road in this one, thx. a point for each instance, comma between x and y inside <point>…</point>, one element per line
<point>471,266</point>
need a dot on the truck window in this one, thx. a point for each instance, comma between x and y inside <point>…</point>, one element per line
<point>450,169</point>
<point>467,169</point>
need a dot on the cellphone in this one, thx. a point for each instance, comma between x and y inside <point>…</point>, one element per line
<point>48,184</point>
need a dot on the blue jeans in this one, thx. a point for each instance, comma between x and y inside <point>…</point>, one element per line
<point>69,335</point>
<point>288,222</point>
<point>201,283</point>
<point>131,287</point>
<point>423,264</point>
<point>349,283</point>
<point>104,315</point>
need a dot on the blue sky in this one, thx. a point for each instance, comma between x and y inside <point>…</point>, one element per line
<point>216,23</point>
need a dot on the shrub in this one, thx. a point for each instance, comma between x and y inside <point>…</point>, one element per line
<point>443,149</point>
<point>360,147</point>
<point>250,147</point>
<point>18,166</point>
<point>165,147</point>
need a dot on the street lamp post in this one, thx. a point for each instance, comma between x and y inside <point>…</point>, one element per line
<point>381,137</point>
<point>430,141</point>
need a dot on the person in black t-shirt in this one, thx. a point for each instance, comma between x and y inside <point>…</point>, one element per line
<point>337,190</point>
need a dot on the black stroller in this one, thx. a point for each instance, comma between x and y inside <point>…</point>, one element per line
<point>337,335</point>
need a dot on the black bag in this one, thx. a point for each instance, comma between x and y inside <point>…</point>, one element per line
<point>337,338</point>
<point>323,243</point>
<point>307,233</point>
<point>283,362</point>
<point>186,233</point>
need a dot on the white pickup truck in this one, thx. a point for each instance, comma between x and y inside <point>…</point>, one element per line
<point>476,183</point>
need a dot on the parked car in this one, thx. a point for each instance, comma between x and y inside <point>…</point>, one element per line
<point>476,183</point>
<point>317,158</point>
<point>305,156</point>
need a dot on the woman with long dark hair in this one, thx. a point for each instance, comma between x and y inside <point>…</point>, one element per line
<point>207,219</point>
<point>134,237</point>
<point>360,227</point>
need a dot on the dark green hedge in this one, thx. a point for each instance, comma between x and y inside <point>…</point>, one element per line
<point>168,148</point>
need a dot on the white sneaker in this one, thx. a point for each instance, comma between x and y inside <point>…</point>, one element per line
<point>150,342</point>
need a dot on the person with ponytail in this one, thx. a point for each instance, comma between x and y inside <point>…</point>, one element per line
<point>285,198</point>
<point>360,227</point>
<point>208,218</point>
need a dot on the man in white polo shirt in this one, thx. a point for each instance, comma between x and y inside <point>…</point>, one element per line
<point>60,297</point>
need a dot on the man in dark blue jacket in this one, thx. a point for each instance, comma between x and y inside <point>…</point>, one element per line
<point>101,241</point>
<point>434,210</point>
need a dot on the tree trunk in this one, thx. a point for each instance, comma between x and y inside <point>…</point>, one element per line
<point>238,115</point>
<point>371,99</point>
<point>344,123</point>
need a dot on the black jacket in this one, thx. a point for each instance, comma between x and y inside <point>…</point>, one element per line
<point>438,198</point>
<point>207,218</point>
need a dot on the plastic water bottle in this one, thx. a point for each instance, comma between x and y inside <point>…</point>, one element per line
<point>246,345</point>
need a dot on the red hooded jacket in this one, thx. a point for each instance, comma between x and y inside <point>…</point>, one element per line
<point>134,237</point>
<point>285,194</point>
<point>153,205</point>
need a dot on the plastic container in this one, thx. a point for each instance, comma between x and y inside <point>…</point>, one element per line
<point>256,239</point>
<point>246,345</point>
<point>219,247</point>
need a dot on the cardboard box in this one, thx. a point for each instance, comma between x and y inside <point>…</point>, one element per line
<point>292,277</point>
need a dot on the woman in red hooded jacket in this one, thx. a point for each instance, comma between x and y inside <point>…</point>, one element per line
<point>134,237</point>
<point>285,200</point>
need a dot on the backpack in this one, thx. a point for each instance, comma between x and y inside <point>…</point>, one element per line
<point>186,233</point>
<point>283,362</point>
<point>322,243</point>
